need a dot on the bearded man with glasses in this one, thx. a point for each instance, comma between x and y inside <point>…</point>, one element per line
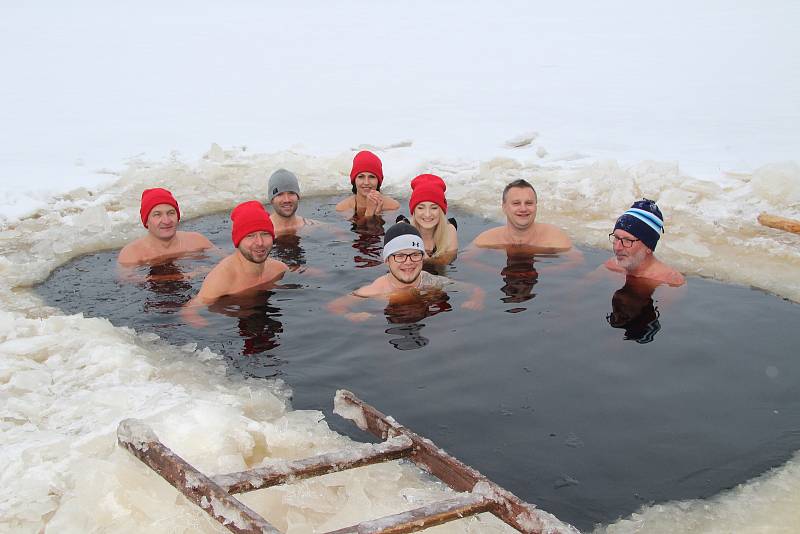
<point>403,252</point>
<point>634,239</point>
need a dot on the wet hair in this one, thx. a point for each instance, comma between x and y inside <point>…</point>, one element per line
<point>439,232</point>
<point>521,183</point>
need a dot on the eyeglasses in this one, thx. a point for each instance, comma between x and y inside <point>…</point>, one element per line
<point>402,257</point>
<point>626,242</point>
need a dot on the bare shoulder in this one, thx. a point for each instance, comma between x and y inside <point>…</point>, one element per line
<point>376,289</point>
<point>131,254</point>
<point>347,204</point>
<point>195,240</point>
<point>491,237</point>
<point>555,237</point>
<point>390,203</point>
<point>217,280</point>
<point>277,266</point>
<point>452,234</point>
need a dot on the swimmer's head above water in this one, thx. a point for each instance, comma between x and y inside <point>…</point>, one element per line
<point>520,203</point>
<point>366,177</point>
<point>366,173</point>
<point>252,231</point>
<point>284,193</point>
<point>160,214</point>
<point>159,204</point>
<point>635,236</point>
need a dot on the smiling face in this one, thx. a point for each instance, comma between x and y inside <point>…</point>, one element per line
<point>365,182</point>
<point>285,204</point>
<point>407,271</point>
<point>629,258</point>
<point>255,247</point>
<point>519,206</point>
<point>162,221</point>
<point>427,215</point>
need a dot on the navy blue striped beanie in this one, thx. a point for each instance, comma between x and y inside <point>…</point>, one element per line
<point>644,221</point>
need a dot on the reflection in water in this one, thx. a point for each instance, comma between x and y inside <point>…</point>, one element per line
<point>519,276</point>
<point>287,248</point>
<point>409,312</point>
<point>410,337</point>
<point>258,320</point>
<point>167,288</point>
<point>632,309</point>
<point>368,241</point>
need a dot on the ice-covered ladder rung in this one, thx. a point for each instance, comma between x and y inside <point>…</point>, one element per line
<point>464,505</point>
<point>292,470</point>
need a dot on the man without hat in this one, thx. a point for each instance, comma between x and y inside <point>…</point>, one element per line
<point>519,202</point>
<point>249,267</point>
<point>403,251</point>
<point>635,236</point>
<point>284,196</point>
<point>160,215</point>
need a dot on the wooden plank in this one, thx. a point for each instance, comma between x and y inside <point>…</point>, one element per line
<point>143,443</point>
<point>288,471</point>
<point>464,505</point>
<point>461,477</point>
<point>780,223</point>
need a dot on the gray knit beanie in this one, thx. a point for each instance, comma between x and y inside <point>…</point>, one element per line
<point>282,181</point>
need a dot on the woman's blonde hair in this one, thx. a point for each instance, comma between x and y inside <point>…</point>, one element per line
<point>439,232</point>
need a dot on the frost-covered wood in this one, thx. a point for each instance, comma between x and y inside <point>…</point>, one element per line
<point>143,443</point>
<point>780,223</point>
<point>291,470</point>
<point>464,505</point>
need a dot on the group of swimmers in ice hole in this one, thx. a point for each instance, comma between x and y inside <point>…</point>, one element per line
<point>426,237</point>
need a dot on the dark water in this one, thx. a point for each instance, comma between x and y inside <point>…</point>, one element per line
<point>586,398</point>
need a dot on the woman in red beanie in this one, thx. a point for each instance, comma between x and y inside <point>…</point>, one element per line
<point>428,209</point>
<point>366,176</point>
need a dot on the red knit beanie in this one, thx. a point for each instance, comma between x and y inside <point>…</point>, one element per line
<point>249,217</point>
<point>366,161</point>
<point>427,188</point>
<point>152,198</point>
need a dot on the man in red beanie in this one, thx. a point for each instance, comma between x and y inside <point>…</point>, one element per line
<point>160,215</point>
<point>249,268</point>
<point>366,177</point>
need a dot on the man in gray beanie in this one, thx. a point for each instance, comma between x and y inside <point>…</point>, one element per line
<point>284,196</point>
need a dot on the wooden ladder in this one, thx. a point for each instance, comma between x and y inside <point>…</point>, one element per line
<point>214,494</point>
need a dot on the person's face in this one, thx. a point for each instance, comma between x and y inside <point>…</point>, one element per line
<point>366,182</point>
<point>629,258</point>
<point>162,222</point>
<point>285,204</point>
<point>520,207</point>
<point>255,246</point>
<point>406,271</point>
<point>427,215</point>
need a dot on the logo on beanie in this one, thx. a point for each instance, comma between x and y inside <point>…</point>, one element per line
<point>415,244</point>
<point>274,191</point>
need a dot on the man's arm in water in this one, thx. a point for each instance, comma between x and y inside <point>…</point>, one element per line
<point>343,304</point>
<point>477,296</point>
